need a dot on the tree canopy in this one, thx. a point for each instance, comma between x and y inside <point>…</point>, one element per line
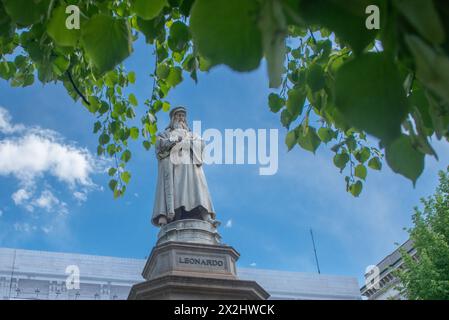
<point>426,277</point>
<point>336,77</point>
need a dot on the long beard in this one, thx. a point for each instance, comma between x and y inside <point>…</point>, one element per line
<point>180,125</point>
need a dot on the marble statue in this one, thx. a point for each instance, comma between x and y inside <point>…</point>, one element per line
<point>181,191</point>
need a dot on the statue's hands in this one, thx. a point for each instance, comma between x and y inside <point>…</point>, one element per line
<point>175,139</point>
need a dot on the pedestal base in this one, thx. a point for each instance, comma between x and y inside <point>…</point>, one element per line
<point>174,287</point>
<point>193,269</point>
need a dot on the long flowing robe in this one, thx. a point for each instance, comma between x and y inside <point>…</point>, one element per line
<point>181,190</point>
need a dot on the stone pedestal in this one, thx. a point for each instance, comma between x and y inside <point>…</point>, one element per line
<point>190,263</point>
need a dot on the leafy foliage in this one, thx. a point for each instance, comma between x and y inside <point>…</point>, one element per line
<point>335,80</point>
<point>426,277</point>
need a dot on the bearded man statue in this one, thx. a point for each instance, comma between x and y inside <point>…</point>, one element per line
<point>181,191</point>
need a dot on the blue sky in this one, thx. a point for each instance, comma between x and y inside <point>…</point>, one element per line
<point>71,209</point>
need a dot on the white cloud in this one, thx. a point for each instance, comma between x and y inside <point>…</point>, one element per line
<point>228,224</point>
<point>20,196</point>
<point>253,264</point>
<point>47,230</point>
<point>24,227</point>
<point>31,154</point>
<point>48,202</point>
<point>5,123</point>
<point>80,196</point>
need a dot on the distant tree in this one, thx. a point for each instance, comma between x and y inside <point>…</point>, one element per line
<point>427,275</point>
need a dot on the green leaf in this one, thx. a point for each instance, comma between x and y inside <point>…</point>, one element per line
<point>100,150</point>
<point>28,80</point>
<point>185,7</point>
<point>189,63</point>
<point>146,144</point>
<point>275,102</point>
<point>418,99</point>
<point>126,156</point>
<point>351,143</point>
<point>432,68</point>
<point>20,61</point>
<point>273,26</point>
<point>356,188</point>
<point>57,30</point>
<point>97,126</point>
<point>93,104</point>
<point>204,64</point>
<point>114,127</point>
<point>179,37</point>
<point>161,53</point>
<point>112,171</point>
<point>104,107</point>
<point>124,134</point>
<point>125,176</point>
<point>174,77</point>
<point>7,70</point>
<point>286,118</point>
<point>325,134</point>
<point>134,133</point>
<point>111,149</point>
<point>315,77</point>
<point>60,65</point>
<point>152,29</point>
<point>103,139</point>
<point>291,139</point>
<point>147,9</point>
<point>440,120</point>
<point>295,102</point>
<point>113,184</point>
<point>26,12</point>
<point>132,99</point>
<point>360,171</point>
<point>111,78</point>
<point>404,159</point>
<point>375,164</point>
<point>363,154</point>
<point>119,108</point>
<point>130,114</point>
<point>308,139</point>
<point>165,108</point>
<point>162,71</point>
<point>423,15</point>
<point>132,77</point>
<point>106,49</point>
<point>369,94</point>
<point>227,32</point>
<point>345,18</point>
<point>118,193</point>
<point>340,160</point>
<point>7,28</point>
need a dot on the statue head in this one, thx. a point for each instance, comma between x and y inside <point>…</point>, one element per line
<point>178,118</point>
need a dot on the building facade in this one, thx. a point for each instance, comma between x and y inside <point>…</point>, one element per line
<point>28,274</point>
<point>380,282</point>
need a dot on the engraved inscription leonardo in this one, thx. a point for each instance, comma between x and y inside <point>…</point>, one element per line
<point>201,261</point>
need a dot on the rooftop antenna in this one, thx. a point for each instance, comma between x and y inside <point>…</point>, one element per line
<point>314,250</point>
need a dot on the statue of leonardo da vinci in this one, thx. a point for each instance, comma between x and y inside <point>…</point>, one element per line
<point>181,191</point>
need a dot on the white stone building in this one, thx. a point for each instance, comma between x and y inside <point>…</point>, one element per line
<point>380,282</point>
<point>26,274</point>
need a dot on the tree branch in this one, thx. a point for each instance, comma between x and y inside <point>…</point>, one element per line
<point>69,75</point>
